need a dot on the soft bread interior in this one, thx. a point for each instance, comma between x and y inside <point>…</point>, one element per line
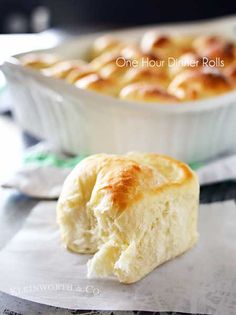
<point>153,220</point>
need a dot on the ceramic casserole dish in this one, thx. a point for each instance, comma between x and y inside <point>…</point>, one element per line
<point>83,122</point>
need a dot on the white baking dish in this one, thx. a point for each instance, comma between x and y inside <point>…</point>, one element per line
<point>79,121</point>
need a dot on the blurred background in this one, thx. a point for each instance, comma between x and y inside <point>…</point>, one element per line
<point>30,16</point>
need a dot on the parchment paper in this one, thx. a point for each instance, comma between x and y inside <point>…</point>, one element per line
<point>35,266</point>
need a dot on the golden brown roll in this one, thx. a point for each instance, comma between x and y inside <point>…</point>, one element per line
<point>132,65</point>
<point>140,59</point>
<point>38,60</point>
<point>63,68</point>
<point>78,73</point>
<point>133,212</point>
<point>188,61</point>
<point>114,71</point>
<point>105,44</point>
<point>149,93</point>
<point>147,75</point>
<point>111,66</point>
<point>164,45</point>
<point>215,48</point>
<point>134,51</point>
<point>203,42</point>
<point>157,44</point>
<point>230,73</point>
<point>103,60</point>
<point>97,83</point>
<point>193,85</point>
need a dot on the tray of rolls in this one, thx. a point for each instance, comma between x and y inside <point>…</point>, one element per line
<point>169,89</point>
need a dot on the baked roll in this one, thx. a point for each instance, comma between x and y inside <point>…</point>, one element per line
<point>97,83</point>
<point>114,71</point>
<point>149,93</point>
<point>129,66</point>
<point>39,61</point>
<point>193,85</point>
<point>164,45</point>
<point>134,51</point>
<point>62,69</point>
<point>147,75</point>
<point>131,51</point>
<point>134,212</point>
<point>78,73</point>
<point>104,59</point>
<point>230,73</point>
<point>188,61</point>
<point>203,42</point>
<point>215,47</point>
<point>105,44</point>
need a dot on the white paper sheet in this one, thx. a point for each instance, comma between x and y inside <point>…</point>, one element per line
<point>35,266</point>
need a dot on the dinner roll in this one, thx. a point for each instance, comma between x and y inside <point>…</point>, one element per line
<point>131,51</point>
<point>133,66</point>
<point>63,68</point>
<point>39,61</point>
<point>214,47</point>
<point>142,92</point>
<point>188,61</point>
<point>105,44</point>
<point>230,72</point>
<point>111,66</point>
<point>193,85</point>
<point>78,73</point>
<point>134,51</point>
<point>99,84</point>
<point>147,75</point>
<point>134,212</point>
<point>164,45</point>
<point>114,71</point>
<point>202,41</point>
<point>103,60</point>
<point>157,44</point>
<point>140,59</point>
